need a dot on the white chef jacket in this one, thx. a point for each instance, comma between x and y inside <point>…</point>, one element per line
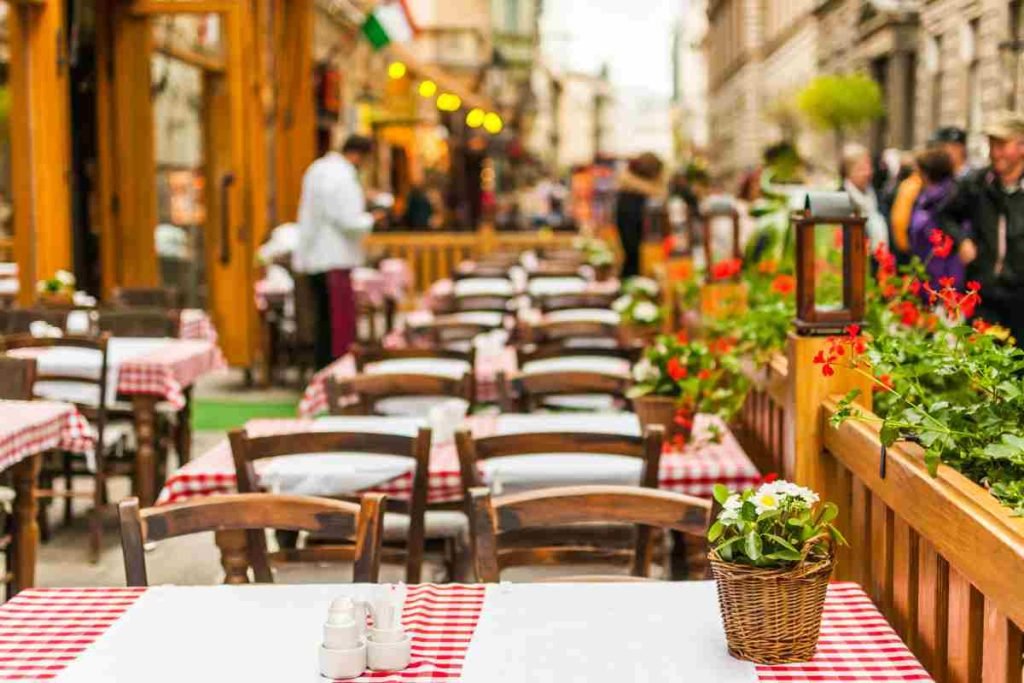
<point>332,217</point>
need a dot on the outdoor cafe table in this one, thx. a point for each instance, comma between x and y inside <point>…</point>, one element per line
<point>27,430</point>
<point>693,471</point>
<point>496,633</point>
<point>148,371</point>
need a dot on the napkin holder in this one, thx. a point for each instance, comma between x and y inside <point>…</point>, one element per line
<point>388,646</point>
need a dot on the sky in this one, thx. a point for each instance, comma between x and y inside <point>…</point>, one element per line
<point>633,36</point>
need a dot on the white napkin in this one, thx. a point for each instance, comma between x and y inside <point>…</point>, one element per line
<point>42,329</point>
<point>445,417</point>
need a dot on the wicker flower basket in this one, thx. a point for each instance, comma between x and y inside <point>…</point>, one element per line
<point>659,411</point>
<point>772,616</point>
<point>631,334</point>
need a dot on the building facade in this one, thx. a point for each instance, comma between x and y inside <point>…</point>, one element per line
<point>690,81</point>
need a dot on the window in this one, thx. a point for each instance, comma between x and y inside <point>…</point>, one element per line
<point>512,16</point>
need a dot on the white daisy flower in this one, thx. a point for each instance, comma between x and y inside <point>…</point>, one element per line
<point>622,303</point>
<point>644,371</point>
<point>645,312</point>
<point>763,502</point>
<point>733,502</point>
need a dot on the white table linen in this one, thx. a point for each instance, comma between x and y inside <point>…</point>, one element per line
<point>541,633</point>
<point>483,286</point>
<point>549,286</point>
<point>608,365</point>
<point>600,315</point>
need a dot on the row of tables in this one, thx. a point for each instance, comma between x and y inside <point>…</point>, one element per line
<point>494,633</point>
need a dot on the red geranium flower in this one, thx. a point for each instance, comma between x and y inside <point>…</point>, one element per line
<point>886,381</point>
<point>853,330</point>
<point>769,478</point>
<point>767,267</point>
<point>682,337</point>
<point>947,282</point>
<point>724,270</point>
<point>915,287</point>
<point>981,326</point>
<point>936,236</point>
<point>668,245</point>
<point>826,363</point>
<point>944,248</point>
<point>676,370</point>
<point>704,375</point>
<point>784,284</point>
<point>973,285</point>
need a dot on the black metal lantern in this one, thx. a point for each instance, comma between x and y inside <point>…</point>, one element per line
<point>829,209</point>
<point>718,207</point>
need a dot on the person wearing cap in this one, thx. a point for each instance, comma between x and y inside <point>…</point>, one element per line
<point>991,202</point>
<point>953,141</point>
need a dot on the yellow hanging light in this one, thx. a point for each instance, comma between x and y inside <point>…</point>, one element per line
<point>447,101</point>
<point>428,88</point>
<point>475,117</point>
<point>493,123</point>
<point>397,70</point>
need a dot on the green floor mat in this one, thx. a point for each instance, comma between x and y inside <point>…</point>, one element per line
<point>224,415</point>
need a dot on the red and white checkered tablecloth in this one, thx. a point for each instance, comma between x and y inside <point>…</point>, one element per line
<point>43,631</point>
<point>167,371</point>
<point>314,399</point>
<point>197,324</point>
<point>693,471</point>
<point>31,427</point>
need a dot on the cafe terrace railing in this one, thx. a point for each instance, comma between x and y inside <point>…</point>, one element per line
<point>940,556</point>
<point>434,256</point>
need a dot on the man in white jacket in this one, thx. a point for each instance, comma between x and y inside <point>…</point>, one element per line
<point>333,221</point>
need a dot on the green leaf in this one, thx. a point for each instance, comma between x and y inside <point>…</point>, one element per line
<point>837,536</point>
<point>715,532</point>
<point>752,546</point>
<point>786,555</point>
<point>721,493</point>
<point>888,434</point>
<point>829,512</point>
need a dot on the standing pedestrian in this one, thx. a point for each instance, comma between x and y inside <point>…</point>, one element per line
<point>857,173</point>
<point>332,223</point>
<point>935,167</point>
<point>991,202</point>
<point>638,183</point>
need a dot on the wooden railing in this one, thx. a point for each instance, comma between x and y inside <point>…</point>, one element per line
<point>434,255</point>
<point>940,556</point>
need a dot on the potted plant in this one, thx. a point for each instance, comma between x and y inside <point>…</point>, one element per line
<point>639,313</point>
<point>676,379</point>
<point>57,290</point>
<point>598,255</point>
<point>772,553</point>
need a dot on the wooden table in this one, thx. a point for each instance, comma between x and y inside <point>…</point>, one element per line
<point>497,633</point>
<point>147,371</point>
<point>27,430</point>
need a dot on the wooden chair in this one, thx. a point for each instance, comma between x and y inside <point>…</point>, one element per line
<point>568,390</point>
<point>484,269</point>
<point>576,333</point>
<point>564,302</point>
<point>395,394</point>
<point>493,520</point>
<point>110,435</point>
<point>532,353</point>
<point>139,322</point>
<point>253,513</point>
<point>18,320</point>
<point>247,450</point>
<point>554,269</point>
<point>497,303</point>
<point>450,334</point>
<point>147,297</point>
<point>17,378</point>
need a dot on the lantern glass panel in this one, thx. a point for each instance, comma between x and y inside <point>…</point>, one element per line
<point>720,234</point>
<point>828,267</point>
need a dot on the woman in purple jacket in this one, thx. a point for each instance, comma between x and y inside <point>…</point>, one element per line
<point>933,247</point>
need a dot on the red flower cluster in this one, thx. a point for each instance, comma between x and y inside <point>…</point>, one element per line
<point>955,303</point>
<point>784,284</point>
<point>886,262</point>
<point>676,370</point>
<point>668,246</point>
<point>727,269</point>
<point>942,244</point>
<point>767,267</point>
<point>704,375</point>
<point>722,345</point>
<point>837,347</point>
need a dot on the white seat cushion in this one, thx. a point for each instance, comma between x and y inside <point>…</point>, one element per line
<point>412,406</point>
<point>439,524</point>
<point>588,402</point>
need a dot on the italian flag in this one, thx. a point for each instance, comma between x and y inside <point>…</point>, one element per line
<point>390,22</point>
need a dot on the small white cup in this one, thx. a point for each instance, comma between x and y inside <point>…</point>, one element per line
<point>390,635</point>
<point>341,636</point>
<point>339,664</point>
<point>389,656</point>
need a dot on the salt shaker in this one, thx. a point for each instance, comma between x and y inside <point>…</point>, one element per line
<point>343,651</point>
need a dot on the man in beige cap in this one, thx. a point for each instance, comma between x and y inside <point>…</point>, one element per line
<point>986,219</point>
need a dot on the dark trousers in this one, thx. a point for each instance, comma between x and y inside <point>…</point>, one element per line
<point>1004,307</point>
<point>334,304</point>
<point>630,235</point>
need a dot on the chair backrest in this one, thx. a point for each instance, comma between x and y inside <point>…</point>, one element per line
<point>367,355</point>
<point>559,507</point>
<point>531,353</point>
<point>498,303</point>
<point>555,269</point>
<point>530,391</point>
<point>497,269</point>
<point>441,333</point>
<point>147,297</point>
<point>246,450</point>
<point>140,322</point>
<point>360,394</point>
<point>564,302</point>
<point>17,378</point>
<point>18,320</point>
<point>565,330</point>
<point>91,384</point>
<point>253,513</point>
<point>646,448</point>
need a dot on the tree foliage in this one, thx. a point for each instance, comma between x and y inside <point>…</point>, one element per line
<point>841,102</point>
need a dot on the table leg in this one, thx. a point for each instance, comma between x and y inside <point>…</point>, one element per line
<point>234,555</point>
<point>144,407</point>
<point>183,442</point>
<point>26,523</point>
